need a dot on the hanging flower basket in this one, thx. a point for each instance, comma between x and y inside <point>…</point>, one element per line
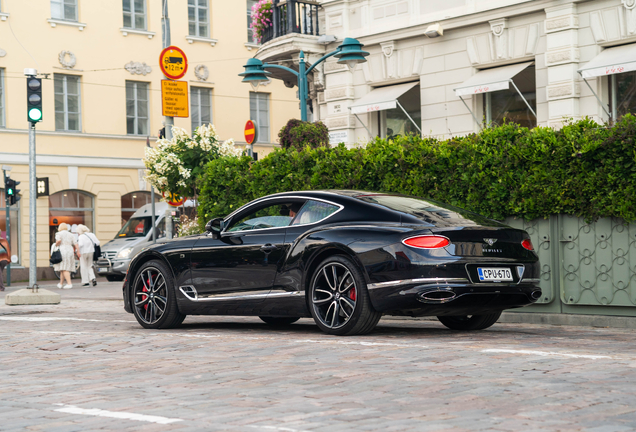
<point>261,19</point>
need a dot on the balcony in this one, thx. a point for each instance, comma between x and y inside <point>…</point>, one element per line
<point>292,16</point>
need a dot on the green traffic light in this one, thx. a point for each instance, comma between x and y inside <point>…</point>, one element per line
<point>35,114</point>
<point>10,192</point>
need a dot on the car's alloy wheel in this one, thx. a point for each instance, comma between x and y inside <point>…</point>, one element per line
<point>154,303</point>
<point>339,300</point>
<point>470,322</point>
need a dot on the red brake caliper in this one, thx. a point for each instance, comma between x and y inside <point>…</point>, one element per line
<point>352,293</point>
<point>145,290</point>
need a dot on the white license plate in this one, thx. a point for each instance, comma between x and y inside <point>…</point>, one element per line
<point>102,269</point>
<point>494,274</point>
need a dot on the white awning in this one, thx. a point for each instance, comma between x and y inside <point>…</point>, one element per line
<point>611,61</point>
<point>490,80</point>
<point>379,99</point>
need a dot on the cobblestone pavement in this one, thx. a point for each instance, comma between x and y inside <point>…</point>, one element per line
<point>87,365</point>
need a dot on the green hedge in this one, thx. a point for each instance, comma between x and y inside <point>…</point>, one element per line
<point>584,169</point>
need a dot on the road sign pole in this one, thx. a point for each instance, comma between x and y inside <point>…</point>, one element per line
<point>33,258</point>
<point>7,210</point>
<point>165,38</point>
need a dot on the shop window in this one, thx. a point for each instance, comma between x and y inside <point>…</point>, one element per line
<point>134,14</point>
<point>137,122</point>
<point>132,202</point>
<point>67,103</point>
<point>71,207</point>
<point>64,9</point>
<point>200,106</point>
<point>508,105</point>
<point>259,113</point>
<point>622,94</point>
<point>396,122</point>
<point>14,236</point>
<point>198,18</point>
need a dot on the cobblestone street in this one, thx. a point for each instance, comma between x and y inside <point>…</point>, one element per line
<point>87,365</point>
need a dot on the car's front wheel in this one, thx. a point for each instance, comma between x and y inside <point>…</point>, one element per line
<point>338,298</point>
<point>154,300</point>
<point>470,322</point>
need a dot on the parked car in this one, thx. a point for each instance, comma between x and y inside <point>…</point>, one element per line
<point>344,258</point>
<point>132,238</point>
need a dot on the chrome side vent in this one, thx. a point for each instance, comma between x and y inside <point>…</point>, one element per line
<point>189,291</point>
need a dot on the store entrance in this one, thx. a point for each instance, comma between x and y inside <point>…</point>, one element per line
<point>70,207</point>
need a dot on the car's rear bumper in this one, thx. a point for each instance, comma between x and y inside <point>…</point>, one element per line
<point>450,296</point>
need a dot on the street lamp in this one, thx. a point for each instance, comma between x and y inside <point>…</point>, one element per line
<point>349,52</point>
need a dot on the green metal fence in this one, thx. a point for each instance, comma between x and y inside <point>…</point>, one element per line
<point>585,268</point>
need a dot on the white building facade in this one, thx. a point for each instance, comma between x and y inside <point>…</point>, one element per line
<point>534,62</point>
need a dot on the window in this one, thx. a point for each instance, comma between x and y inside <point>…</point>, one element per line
<point>67,102</point>
<point>271,216</point>
<point>314,211</point>
<point>250,33</point>
<point>198,22</point>
<point>15,224</point>
<point>200,106</point>
<point>2,121</point>
<point>259,114</point>
<point>509,105</point>
<point>71,207</point>
<point>394,122</point>
<point>64,9</point>
<point>137,108</point>
<point>135,14</point>
<point>132,202</point>
<point>622,94</point>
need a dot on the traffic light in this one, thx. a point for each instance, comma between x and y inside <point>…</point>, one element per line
<point>10,186</point>
<point>34,99</point>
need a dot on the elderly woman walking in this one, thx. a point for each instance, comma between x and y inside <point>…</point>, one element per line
<point>68,248</point>
<point>87,242</point>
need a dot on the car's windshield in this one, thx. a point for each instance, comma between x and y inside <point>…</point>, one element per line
<point>135,227</point>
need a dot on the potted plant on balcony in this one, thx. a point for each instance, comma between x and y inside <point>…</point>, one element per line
<point>261,19</point>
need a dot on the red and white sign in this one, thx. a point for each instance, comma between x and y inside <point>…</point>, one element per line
<point>484,88</point>
<point>250,132</point>
<point>608,70</point>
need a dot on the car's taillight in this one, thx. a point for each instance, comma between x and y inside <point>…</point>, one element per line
<point>527,244</point>
<point>427,242</point>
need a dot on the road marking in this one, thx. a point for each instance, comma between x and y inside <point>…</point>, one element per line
<point>36,319</point>
<point>547,354</point>
<point>71,409</point>
<point>277,428</point>
<point>363,343</point>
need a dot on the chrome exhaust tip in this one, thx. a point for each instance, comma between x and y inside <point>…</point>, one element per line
<point>536,294</point>
<point>437,296</point>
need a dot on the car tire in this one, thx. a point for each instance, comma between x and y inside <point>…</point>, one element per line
<point>338,298</point>
<point>159,309</point>
<point>472,322</point>
<point>279,321</point>
<point>114,278</point>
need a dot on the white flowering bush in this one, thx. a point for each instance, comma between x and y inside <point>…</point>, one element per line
<point>177,165</point>
<point>188,226</point>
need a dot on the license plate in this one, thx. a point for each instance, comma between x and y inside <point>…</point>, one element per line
<point>494,274</point>
<point>102,269</point>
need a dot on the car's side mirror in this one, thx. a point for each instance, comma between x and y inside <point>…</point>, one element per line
<point>213,228</point>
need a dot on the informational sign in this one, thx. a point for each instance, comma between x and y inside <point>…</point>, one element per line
<point>174,98</point>
<point>42,186</point>
<point>338,137</point>
<point>173,62</point>
<point>250,132</point>
<point>174,200</point>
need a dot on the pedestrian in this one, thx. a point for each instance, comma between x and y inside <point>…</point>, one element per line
<point>5,258</point>
<point>87,242</point>
<point>68,249</point>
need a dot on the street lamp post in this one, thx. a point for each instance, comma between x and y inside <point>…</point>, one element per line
<point>349,52</point>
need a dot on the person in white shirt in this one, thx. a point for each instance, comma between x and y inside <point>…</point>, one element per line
<point>87,242</point>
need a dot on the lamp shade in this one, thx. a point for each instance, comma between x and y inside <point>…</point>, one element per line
<point>351,52</point>
<point>254,72</point>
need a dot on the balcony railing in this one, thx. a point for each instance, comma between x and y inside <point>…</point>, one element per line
<point>292,16</point>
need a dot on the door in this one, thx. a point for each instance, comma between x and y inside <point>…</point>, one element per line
<point>245,260</point>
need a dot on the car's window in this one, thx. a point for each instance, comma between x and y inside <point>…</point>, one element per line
<point>314,211</point>
<point>136,227</point>
<point>272,216</point>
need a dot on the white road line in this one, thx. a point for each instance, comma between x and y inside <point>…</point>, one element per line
<point>363,343</point>
<point>277,428</point>
<point>40,319</point>
<point>71,409</point>
<point>547,354</point>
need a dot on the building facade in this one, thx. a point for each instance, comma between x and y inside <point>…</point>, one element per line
<point>450,67</point>
<point>102,101</point>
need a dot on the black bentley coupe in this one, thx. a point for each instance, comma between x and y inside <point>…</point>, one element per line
<point>344,258</point>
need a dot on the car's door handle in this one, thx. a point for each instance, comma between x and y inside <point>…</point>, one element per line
<point>268,247</point>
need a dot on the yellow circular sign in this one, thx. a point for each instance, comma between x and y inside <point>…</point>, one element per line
<point>173,62</point>
<point>174,200</point>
